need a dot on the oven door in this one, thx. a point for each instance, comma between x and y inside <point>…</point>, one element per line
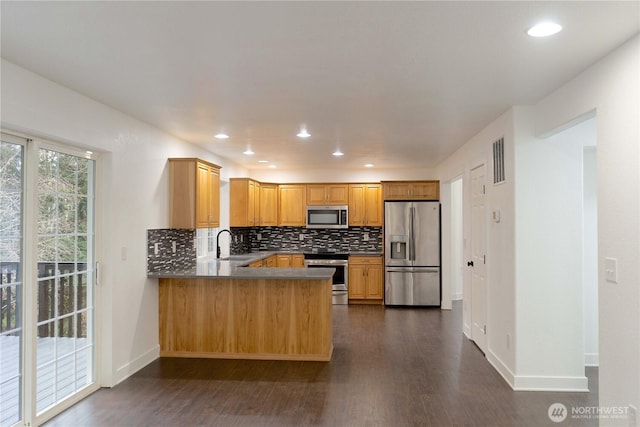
<point>339,277</point>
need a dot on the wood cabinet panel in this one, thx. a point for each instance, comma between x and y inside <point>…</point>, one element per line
<point>365,205</point>
<point>268,205</point>
<point>244,202</point>
<point>365,279</point>
<point>194,193</point>
<point>327,194</point>
<point>246,319</point>
<point>411,190</point>
<point>290,260</point>
<point>293,205</point>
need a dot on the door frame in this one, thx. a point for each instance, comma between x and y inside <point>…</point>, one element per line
<point>468,277</point>
<point>32,146</point>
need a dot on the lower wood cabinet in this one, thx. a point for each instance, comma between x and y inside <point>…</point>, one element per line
<point>365,280</point>
<point>290,260</point>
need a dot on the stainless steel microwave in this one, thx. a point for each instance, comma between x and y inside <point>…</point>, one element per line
<point>327,217</point>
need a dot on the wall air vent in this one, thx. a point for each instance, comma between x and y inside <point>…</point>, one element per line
<point>498,161</point>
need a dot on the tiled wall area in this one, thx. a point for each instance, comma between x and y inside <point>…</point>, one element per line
<point>161,257</point>
<point>353,239</point>
<point>164,258</point>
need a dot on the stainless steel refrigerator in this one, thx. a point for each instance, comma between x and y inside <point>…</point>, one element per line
<point>412,253</point>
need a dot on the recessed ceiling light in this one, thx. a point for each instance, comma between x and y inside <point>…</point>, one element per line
<point>221,135</point>
<point>303,133</point>
<point>544,29</point>
<point>368,165</point>
<point>272,166</point>
<point>338,153</point>
<point>263,161</point>
<point>248,152</point>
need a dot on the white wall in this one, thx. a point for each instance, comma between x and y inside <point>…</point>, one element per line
<point>457,246</point>
<point>341,175</point>
<point>500,238</point>
<point>549,256</point>
<point>611,87</point>
<point>590,253</point>
<point>132,188</point>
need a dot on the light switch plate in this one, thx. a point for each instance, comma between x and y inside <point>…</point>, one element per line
<point>611,269</point>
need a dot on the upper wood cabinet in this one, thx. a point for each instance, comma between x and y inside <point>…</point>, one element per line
<point>327,194</point>
<point>268,205</point>
<point>411,190</point>
<point>244,202</point>
<point>365,205</point>
<point>194,193</point>
<point>293,205</point>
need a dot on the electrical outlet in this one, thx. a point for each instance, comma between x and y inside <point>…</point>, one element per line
<point>365,237</point>
<point>156,248</point>
<point>259,237</point>
<point>301,237</point>
<point>174,247</point>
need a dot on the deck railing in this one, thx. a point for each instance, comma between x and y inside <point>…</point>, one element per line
<point>71,296</point>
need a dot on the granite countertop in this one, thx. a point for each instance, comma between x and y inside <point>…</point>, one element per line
<point>235,267</point>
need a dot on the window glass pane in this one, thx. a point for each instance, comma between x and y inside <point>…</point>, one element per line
<point>65,254</point>
<point>11,289</point>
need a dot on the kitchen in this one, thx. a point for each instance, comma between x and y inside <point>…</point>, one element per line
<point>339,232</point>
<point>134,177</point>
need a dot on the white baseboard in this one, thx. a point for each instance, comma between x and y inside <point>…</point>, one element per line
<point>466,330</point>
<point>502,368</point>
<point>592,359</point>
<point>130,368</point>
<point>535,383</point>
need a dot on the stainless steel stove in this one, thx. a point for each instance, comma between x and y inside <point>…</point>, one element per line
<point>339,261</point>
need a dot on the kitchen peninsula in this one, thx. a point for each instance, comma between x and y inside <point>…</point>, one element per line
<point>224,309</point>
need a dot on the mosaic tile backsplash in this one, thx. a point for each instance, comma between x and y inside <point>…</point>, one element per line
<point>165,259</point>
<point>353,239</point>
<point>253,239</point>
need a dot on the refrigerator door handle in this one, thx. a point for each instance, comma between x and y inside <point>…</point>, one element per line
<point>412,244</point>
<point>412,270</point>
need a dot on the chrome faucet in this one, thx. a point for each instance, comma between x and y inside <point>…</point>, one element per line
<point>218,241</point>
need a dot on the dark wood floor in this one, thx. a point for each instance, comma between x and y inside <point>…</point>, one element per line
<point>390,367</point>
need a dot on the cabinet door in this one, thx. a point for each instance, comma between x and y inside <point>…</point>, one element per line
<point>337,194</point>
<point>357,204</point>
<point>270,262</point>
<point>374,282</point>
<point>357,281</point>
<point>253,203</point>
<point>427,190</point>
<point>203,196</point>
<point>292,210</point>
<point>214,200</point>
<point>297,260</point>
<point>396,190</point>
<point>316,194</point>
<point>373,205</point>
<point>283,260</point>
<point>268,205</point>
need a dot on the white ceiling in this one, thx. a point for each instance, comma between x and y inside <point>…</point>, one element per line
<point>397,84</point>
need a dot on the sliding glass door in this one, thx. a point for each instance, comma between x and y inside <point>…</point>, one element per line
<point>47,332</point>
<point>11,285</point>
<point>65,265</point>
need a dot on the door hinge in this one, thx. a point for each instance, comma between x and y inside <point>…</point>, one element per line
<point>485,329</point>
<point>484,189</point>
<point>484,259</point>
